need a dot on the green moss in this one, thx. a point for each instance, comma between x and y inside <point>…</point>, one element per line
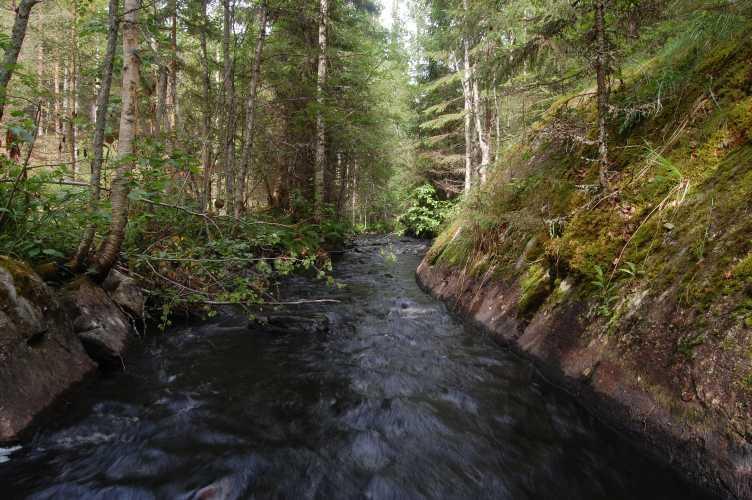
<point>536,287</point>
<point>743,270</point>
<point>741,118</point>
<point>24,278</point>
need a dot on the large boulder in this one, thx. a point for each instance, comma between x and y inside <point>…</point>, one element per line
<point>104,329</point>
<point>40,355</point>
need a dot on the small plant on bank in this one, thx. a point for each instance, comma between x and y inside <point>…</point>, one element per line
<point>606,293</point>
<point>607,287</point>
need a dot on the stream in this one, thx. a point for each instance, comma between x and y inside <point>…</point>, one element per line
<point>382,395</point>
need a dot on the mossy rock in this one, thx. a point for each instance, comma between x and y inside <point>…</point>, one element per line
<point>536,287</point>
<point>40,356</point>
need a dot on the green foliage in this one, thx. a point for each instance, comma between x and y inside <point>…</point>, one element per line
<point>39,220</point>
<point>607,293</point>
<point>195,266</point>
<point>426,213</point>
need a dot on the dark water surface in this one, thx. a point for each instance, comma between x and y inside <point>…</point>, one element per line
<point>395,400</point>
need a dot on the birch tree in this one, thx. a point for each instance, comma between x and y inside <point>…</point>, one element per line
<point>467,91</point>
<point>481,126</point>
<point>110,248</point>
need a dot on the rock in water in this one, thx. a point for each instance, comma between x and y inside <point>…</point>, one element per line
<point>40,355</point>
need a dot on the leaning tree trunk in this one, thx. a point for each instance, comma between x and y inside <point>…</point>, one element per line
<point>467,91</point>
<point>601,71</point>
<point>250,115</point>
<point>319,167</point>
<point>14,47</point>
<point>103,98</point>
<point>110,248</point>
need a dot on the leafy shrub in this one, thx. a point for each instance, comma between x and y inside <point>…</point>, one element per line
<point>426,214</point>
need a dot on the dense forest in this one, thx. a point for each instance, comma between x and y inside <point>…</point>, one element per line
<point>150,135</point>
<point>584,167</point>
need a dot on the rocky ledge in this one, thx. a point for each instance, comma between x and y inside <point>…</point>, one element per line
<point>702,445</point>
<point>51,340</point>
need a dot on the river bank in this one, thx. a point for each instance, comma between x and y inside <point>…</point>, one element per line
<point>581,357</point>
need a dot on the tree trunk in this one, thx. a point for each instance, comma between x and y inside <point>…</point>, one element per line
<point>330,175</point>
<point>73,88</point>
<point>228,156</point>
<point>173,72</point>
<point>206,147</point>
<point>56,99</point>
<point>70,83</point>
<point>110,248</point>
<point>342,170</point>
<point>103,98</point>
<point>161,108</point>
<point>320,126</point>
<point>479,110</point>
<point>497,122</point>
<point>68,104</point>
<point>467,92</point>
<point>40,84</point>
<point>161,111</point>
<point>601,71</point>
<point>250,114</point>
<point>14,47</point>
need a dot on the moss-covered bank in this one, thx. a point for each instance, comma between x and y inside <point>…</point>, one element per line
<point>642,294</point>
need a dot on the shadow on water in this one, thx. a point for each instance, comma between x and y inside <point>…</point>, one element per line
<point>381,396</point>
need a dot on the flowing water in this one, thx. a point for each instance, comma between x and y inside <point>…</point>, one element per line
<point>393,399</point>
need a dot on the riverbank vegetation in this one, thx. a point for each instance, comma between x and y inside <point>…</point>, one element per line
<point>602,153</point>
<point>206,147</point>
